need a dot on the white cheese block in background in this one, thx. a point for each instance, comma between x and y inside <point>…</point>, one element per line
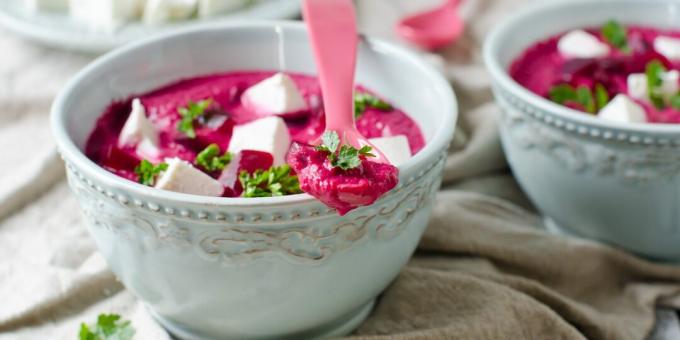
<point>268,134</point>
<point>277,95</point>
<point>137,128</point>
<point>182,177</point>
<point>104,15</point>
<point>207,8</point>
<point>623,110</point>
<point>395,148</point>
<point>668,47</point>
<point>46,5</point>
<point>163,11</point>
<point>581,44</point>
<point>637,85</point>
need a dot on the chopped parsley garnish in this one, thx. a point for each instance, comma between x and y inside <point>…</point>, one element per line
<point>108,327</point>
<point>601,96</point>
<point>583,96</point>
<point>210,159</point>
<point>344,156</point>
<point>363,101</point>
<point>277,181</point>
<point>148,172</point>
<point>191,113</point>
<point>675,101</point>
<point>616,34</point>
<point>655,71</point>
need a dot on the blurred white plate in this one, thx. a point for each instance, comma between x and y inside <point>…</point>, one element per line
<point>58,30</point>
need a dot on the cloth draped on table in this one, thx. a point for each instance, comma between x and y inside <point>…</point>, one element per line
<point>485,269</point>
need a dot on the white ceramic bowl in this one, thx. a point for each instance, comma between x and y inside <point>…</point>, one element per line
<point>612,182</point>
<point>285,267</point>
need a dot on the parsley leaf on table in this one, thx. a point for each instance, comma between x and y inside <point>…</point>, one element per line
<point>211,160</point>
<point>655,71</point>
<point>189,114</point>
<point>362,101</point>
<point>277,181</point>
<point>108,327</point>
<point>148,172</point>
<point>345,157</point>
<point>616,34</point>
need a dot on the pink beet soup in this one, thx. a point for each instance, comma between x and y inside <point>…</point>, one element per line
<point>542,69</point>
<point>343,190</point>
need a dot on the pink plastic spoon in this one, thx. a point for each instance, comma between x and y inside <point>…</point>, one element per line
<point>333,30</point>
<point>433,29</point>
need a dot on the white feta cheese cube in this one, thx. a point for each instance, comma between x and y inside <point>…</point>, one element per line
<point>46,5</point>
<point>638,89</point>
<point>277,95</point>
<point>581,44</point>
<point>637,86</point>
<point>148,150</point>
<point>395,148</point>
<point>668,47</point>
<point>104,15</point>
<point>623,110</point>
<point>182,177</point>
<point>137,128</point>
<point>207,8</point>
<point>268,134</point>
<point>163,11</point>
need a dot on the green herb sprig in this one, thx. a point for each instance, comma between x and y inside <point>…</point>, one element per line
<point>344,156</point>
<point>601,96</point>
<point>362,101</point>
<point>108,327</point>
<point>675,101</point>
<point>582,95</point>
<point>148,172</point>
<point>191,113</point>
<point>211,160</point>
<point>616,34</point>
<point>277,181</point>
<point>654,72</point>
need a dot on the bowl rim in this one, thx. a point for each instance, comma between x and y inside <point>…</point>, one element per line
<point>500,74</point>
<point>71,153</point>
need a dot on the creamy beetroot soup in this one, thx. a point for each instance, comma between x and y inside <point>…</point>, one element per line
<point>249,134</point>
<point>618,73</point>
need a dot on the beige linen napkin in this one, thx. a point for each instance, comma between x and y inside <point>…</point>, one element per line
<point>484,269</point>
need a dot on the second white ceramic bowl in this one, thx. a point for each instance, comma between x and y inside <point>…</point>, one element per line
<point>282,267</point>
<point>613,182</point>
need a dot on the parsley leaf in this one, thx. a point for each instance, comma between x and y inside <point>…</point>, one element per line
<point>211,160</point>
<point>601,96</point>
<point>189,114</point>
<point>330,141</point>
<point>616,34</point>
<point>675,101</point>
<point>108,327</point>
<point>148,172</point>
<point>585,97</point>
<point>277,181</point>
<point>655,71</point>
<point>565,93</point>
<point>362,101</point>
<point>346,157</point>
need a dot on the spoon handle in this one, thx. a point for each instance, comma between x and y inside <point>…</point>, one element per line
<point>333,30</point>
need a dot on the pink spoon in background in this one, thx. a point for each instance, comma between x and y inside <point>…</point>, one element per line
<point>433,29</point>
<point>332,28</point>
